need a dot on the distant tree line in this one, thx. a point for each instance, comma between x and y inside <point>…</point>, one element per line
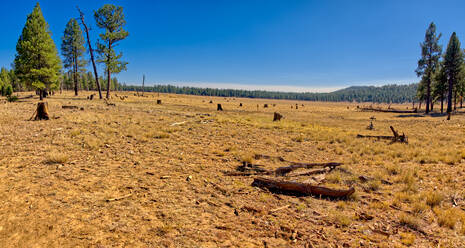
<point>388,93</point>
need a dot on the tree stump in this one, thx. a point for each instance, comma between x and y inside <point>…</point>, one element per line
<point>277,116</point>
<point>240,104</point>
<point>158,101</point>
<point>219,107</point>
<point>91,97</point>
<point>211,101</point>
<point>41,111</point>
<point>265,105</point>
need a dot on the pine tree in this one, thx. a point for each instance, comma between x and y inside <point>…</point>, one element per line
<point>439,85</point>
<point>37,62</point>
<point>111,18</point>
<point>430,54</point>
<point>72,49</point>
<point>453,60</point>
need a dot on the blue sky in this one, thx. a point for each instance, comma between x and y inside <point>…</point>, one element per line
<point>267,44</point>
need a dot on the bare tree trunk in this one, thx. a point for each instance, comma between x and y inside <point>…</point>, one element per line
<point>75,76</point>
<point>449,96</point>
<point>41,95</point>
<point>108,72</point>
<point>442,104</point>
<point>432,104</point>
<point>428,96</point>
<point>91,51</point>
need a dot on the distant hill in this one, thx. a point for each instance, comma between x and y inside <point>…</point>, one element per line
<point>389,93</point>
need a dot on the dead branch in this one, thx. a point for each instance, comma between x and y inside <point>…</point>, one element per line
<point>118,198</point>
<point>300,188</point>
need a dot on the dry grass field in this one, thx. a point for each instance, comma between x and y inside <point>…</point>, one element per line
<point>141,174</point>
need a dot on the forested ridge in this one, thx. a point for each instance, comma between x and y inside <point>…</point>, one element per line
<point>388,93</point>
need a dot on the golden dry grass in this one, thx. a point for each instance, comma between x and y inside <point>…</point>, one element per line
<point>140,174</point>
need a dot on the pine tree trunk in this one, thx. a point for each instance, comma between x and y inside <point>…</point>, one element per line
<point>75,76</point>
<point>455,100</point>
<point>108,72</point>
<point>428,96</point>
<point>41,95</point>
<point>432,103</point>
<point>442,104</point>
<point>449,96</point>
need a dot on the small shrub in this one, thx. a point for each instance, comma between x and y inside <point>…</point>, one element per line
<point>433,198</point>
<point>409,221</point>
<point>56,158</point>
<point>12,98</point>
<point>446,218</point>
<point>407,238</point>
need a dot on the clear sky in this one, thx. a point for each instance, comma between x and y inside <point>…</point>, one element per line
<point>270,44</point>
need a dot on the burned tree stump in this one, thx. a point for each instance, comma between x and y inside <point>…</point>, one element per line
<point>240,104</point>
<point>91,97</point>
<point>211,101</point>
<point>158,101</point>
<point>219,108</point>
<point>41,112</point>
<point>277,116</point>
<point>265,105</point>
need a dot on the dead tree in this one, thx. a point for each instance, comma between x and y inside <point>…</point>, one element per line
<point>91,51</point>
<point>277,116</point>
<point>219,108</point>
<point>41,112</point>
<point>300,188</point>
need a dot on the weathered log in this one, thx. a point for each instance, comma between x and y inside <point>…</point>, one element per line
<point>281,171</point>
<point>219,108</point>
<point>300,188</point>
<point>371,109</point>
<point>41,112</point>
<point>277,116</point>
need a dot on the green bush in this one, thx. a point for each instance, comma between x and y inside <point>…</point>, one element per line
<point>7,90</point>
<point>11,98</point>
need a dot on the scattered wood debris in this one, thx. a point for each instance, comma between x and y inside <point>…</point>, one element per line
<point>395,138</point>
<point>300,188</point>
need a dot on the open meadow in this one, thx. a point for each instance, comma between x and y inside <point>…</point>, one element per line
<point>142,174</point>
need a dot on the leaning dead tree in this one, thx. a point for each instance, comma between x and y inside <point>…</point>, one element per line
<point>395,138</point>
<point>300,188</point>
<point>41,112</point>
<point>91,51</point>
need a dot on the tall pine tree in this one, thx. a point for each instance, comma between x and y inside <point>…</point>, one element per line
<point>111,18</point>
<point>72,49</point>
<point>453,60</point>
<point>37,62</point>
<point>430,54</point>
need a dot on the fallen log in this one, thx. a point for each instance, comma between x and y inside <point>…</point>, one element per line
<point>69,107</point>
<point>282,171</point>
<point>395,138</point>
<point>300,188</point>
<point>370,109</point>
